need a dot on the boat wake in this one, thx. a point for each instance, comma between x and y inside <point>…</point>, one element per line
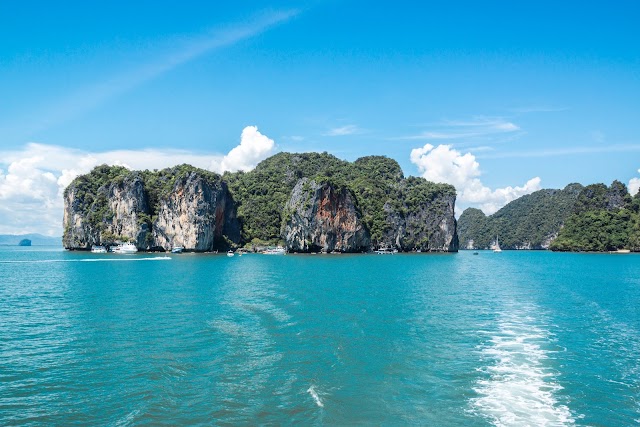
<point>518,386</point>
<point>49,261</point>
<point>312,391</point>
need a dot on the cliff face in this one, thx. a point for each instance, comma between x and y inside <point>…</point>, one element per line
<point>112,205</point>
<point>113,212</point>
<point>127,201</point>
<point>322,217</point>
<point>428,225</point>
<point>432,226</point>
<point>195,215</point>
<point>79,233</point>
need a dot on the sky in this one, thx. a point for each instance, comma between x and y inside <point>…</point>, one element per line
<point>497,98</point>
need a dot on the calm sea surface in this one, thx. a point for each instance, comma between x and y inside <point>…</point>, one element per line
<point>517,338</point>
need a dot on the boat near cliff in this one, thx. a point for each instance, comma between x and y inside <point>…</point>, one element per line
<point>386,251</point>
<point>125,248</point>
<point>621,251</point>
<point>177,250</point>
<point>98,249</point>
<point>279,250</point>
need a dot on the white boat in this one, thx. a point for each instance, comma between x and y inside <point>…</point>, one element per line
<point>386,251</point>
<point>230,253</point>
<point>621,251</point>
<point>97,249</point>
<point>279,250</point>
<point>496,247</point>
<point>177,250</point>
<point>125,248</point>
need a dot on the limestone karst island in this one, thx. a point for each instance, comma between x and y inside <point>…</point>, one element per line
<point>309,202</point>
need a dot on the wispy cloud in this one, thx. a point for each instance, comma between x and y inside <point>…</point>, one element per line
<point>343,131</point>
<point>621,148</point>
<point>464,129</point>
<point>538,109</point>
<point>181,51</point>
<point>294,138</point>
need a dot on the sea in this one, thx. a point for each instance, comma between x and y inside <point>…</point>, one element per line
<point>518,338</point>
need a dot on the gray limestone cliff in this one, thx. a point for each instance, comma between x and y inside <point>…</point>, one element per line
<point>181,206</point>
<point>423,221</point>
<point>113,212</point>
<point>322,217</point>
<point>196,215</point>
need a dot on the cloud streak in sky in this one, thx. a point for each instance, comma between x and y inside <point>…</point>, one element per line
<point>33,179</point>
<point>464,129</point>
<point>182,51</point>
<point>619,148</point>
<point>343,131</point>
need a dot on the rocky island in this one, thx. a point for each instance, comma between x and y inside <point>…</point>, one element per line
<point>308,202</point>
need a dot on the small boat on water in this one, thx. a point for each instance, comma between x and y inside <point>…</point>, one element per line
<point>621,251</point>
<point>386,251</point>
<point>230,253</point>
<point>279,250</point>
<point>98,249</point>
<point>125,248</point>
<point>177,250</point>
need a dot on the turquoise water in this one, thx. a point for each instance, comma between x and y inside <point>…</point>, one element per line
<point>517,338</point>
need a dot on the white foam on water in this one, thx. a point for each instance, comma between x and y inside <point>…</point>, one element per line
<point>128,419</point>
<point>521,388</point>
<point>49,261</point>
<point>157,258</point>
<point>316,398</point>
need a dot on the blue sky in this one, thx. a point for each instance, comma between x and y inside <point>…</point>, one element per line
<point>509,97</point>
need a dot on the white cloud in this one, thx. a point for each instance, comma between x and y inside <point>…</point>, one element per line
<point>33,179</point>
<point>447,165</point>
<point>253,148</point>
<point>634,185</point>
<point>344,130</point>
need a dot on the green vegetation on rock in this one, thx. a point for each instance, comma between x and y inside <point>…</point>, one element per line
<point>602,219</point>
<point>374,181</point>
<point>530,221</point>
<point>592,218</point>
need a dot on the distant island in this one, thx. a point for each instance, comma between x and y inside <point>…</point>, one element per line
<point>308,202</point>
<point>594,218</point>
<point>33,239</point>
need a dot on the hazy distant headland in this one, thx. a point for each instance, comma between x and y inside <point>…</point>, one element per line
<point>307,202</point>
<point>594,218</point>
